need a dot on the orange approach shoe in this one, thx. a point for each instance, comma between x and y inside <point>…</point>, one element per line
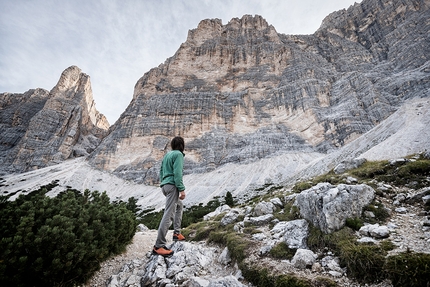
<point>178,237</point>
<point>163,251</point>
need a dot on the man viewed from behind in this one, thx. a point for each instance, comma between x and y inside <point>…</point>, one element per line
<point>173,189</point>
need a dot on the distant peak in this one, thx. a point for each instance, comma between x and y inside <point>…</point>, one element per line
<point>69,78</point>
<point>249,21</point>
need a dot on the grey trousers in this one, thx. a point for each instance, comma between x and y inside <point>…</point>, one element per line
<point>172,211</point>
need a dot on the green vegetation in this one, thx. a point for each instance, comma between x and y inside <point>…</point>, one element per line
<point>368,263</point>
<point>229,199</point>
<point>408,269</point>
<point>379,210</point>
<point>290,213</point>
<point>60,241</point>
<point>354,223</point>
<point>282,251</point>
<point>413,173</point>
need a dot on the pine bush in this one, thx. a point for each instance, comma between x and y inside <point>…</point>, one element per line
<point>60,241</point>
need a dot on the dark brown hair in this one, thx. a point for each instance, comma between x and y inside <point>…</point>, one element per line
<point>177,143</point>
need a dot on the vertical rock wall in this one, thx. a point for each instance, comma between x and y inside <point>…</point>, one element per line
<point>241,92</point>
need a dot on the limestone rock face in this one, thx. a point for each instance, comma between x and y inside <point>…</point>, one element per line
<point>16,112</point>
<point>327,206</point>
<point>41,128</point>
<point>241,91</point>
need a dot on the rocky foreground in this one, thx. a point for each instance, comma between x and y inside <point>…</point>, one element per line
<point>326,206</point>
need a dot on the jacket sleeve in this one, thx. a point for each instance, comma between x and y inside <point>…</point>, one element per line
<point>178,166</point>
<point>161,172</point>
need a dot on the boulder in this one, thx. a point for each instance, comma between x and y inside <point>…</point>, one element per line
<point>216,212</point>
<point>328,206</point>
<point>294,233</point>
<point>230,217</point>
<point>263,208</point>
<point>277,202</point>
<point>259,220</point>
<point>375,230</point>
<point>304,258</point>
<point>224,258</point>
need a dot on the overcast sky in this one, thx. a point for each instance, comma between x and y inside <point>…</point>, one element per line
<point>116,41</point>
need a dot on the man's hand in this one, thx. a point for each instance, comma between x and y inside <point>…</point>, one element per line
<point>182,195</point>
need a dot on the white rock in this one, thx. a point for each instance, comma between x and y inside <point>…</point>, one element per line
<point>367,240</point>
<point>380,232</point>
<point>263,208</point>
<point>218,211</point>
<point>259,236</point>
<point>224,257</point>
<point>401,210</point>
<point>260,220</point>
<point>277,202</point>
<point>335,274</point>
<point>304,258</point>
<point>230,217</point>
<point>375,230</point>
<point>321,204</point>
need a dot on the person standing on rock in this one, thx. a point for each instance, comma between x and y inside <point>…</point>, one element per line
<point>173,189</point>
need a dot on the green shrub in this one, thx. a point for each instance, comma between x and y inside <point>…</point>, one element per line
<point>318,240</point>
<point>387,245</point>
<point>371,169</point>
<point>300,186</point>
<point>408,269</point>
<point>282,251</point>
<point>60,241</point>
<point>229,199</point>
<point>379,210</point>
<point>354,223</point>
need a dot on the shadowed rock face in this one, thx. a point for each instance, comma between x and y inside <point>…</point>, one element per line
<point>241,91</point>
<point>41,128</point>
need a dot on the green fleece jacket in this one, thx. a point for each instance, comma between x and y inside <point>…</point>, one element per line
<point>171,169</point>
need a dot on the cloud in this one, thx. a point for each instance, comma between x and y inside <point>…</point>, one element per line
<point>115,42</point>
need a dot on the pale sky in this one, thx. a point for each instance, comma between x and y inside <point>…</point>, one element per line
<point>116,41</point>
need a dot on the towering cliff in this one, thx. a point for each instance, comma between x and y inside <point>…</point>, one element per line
<point>41,128</point>
<point>241,91</point>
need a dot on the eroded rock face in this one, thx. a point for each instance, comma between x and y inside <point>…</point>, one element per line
<point>17,110</point>
<point>54,126</point>
<point>241,91</point>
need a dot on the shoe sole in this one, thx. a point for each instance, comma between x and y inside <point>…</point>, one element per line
<point>178,240</point>
<point>166,256</point>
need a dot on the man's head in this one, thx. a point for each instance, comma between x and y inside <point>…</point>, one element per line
<point>177,143</point>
